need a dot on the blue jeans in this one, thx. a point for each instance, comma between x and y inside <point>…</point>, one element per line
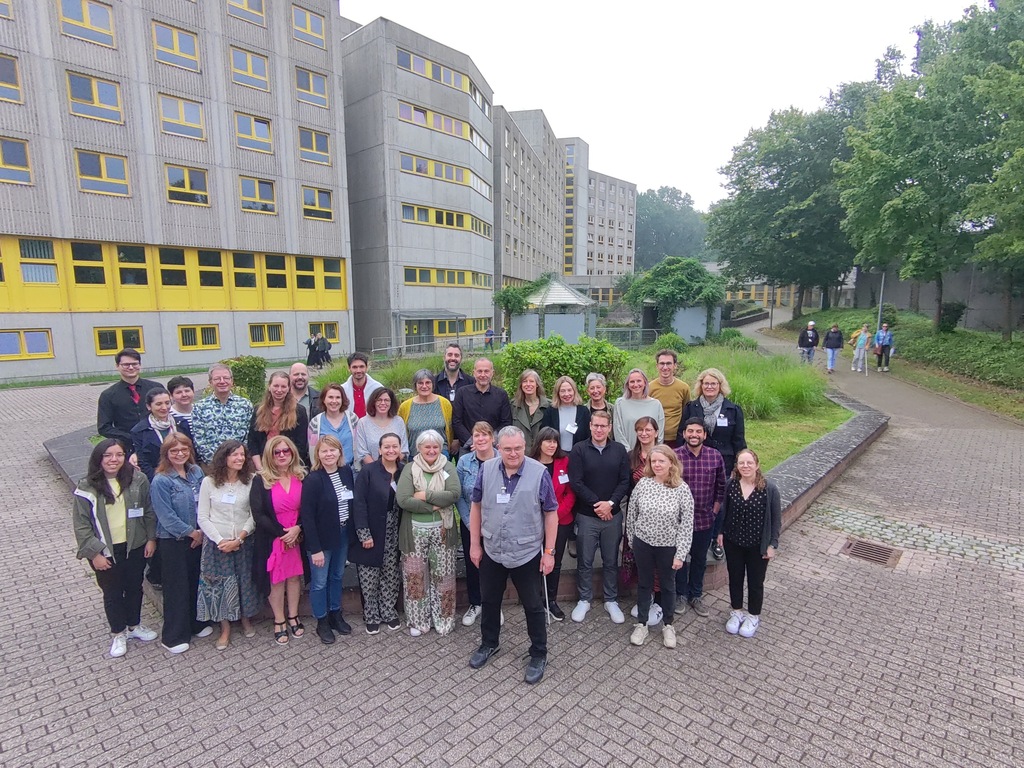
<point>690,578</point>
<point>325,581</point>
<point>832,355</point>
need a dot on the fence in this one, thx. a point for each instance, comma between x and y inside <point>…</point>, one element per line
<point>384,349</point>
<point>628,338</point>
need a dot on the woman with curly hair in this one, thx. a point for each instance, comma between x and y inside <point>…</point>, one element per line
<point>278,414</point>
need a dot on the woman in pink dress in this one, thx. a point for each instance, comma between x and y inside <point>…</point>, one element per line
<point>277,559</point>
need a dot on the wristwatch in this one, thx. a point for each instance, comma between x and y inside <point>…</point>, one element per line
<point>549,552</point>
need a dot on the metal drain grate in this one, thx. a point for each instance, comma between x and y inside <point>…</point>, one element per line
<point>873,553</point>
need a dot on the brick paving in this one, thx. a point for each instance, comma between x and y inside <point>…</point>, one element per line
<point>854,664</point>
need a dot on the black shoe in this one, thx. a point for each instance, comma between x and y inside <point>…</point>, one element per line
<point>481,656</point>
<point>372,629</point>
<point>323,629</point>
<point>717,551</point>
<point>338,623</point>
<point>572,549</point>
<point>535,671</point>
<point>556,612</point>
<point>394,625</point>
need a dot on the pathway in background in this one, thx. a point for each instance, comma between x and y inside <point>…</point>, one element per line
<point>854,664</point>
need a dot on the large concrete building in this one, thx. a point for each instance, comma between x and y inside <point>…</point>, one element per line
<point>172,178</point>
<point>418,120</point>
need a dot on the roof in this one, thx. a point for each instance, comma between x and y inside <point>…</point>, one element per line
<point>557,293</point>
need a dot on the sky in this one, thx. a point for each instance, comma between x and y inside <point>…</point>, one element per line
<point>662,91</point>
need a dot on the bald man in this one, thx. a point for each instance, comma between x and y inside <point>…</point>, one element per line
<point>305,395</point>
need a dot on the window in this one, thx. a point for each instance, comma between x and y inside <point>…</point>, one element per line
<point>129,275</point>
<point>316,204</point>
<point>305,274</point>
<point>311,87</point>
<point>454,278</point>
<point>211,269</point>
<point>187,185</point>
<point>257,195</point>
<point>103,174</point>
<point>328,329</point>
<point>253,133</point>
<point>314,146</point>
<point>249,69</point>
<point>244,267</point>
<point>181,117</point>
<point>110,340</point>
<point>14,163</point>
<point>308,27</point>
<point>276,271</point>
<point>88,20</point>
<point>28,344</point>
<point>38,264</point>
<point>266,335</point>
<point>198,337</point>
<point>172,267</point>
<point>87,263</point>
<point>10,80</point>
<point>247,10</point>
<point>5,9</point>
<point>439,217</point>
<point>332,274</point>
<point>94,98</point>
<point>175,46</point>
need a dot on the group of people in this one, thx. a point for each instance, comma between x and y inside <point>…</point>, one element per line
<point>861,340</point>
<point>318,350</point>
<point>239,503</point>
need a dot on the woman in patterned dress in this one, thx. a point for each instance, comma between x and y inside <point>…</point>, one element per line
<point>659,526</point>
<point>426,410</point>
<point>427,536</point>
<point>226,591</point>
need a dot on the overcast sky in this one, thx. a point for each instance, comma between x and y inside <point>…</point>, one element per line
<point>662,91</point>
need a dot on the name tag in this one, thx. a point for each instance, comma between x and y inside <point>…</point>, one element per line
<point>451,395</point>
<point>346,495</point>
<point>722,421</point>
<point>562,478</point>
<point>444,475</point>
<point>134,512</point>
<point>195,496</point>
<point>504,498</point>
<point>228,498</point>
<point>394,486</point>
<point>571,429</point>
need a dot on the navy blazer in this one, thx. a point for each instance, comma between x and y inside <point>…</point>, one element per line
<point>318,512</point>
<point>146,443</point>
<point>728,440</point>
<point>582,422</point>
<point>374,499</point>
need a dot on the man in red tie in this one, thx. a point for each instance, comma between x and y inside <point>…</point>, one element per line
<point>123,405</point>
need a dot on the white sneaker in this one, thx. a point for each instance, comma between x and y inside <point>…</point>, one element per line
<point>640,633</point>
<point>668,636</point>
<point>205,631</point>
<point>613,610</point>
<point>885,369</point>
<point>118,645</point>
<point>179,648</point>
<point>579,613</point>
<point>142,632</point>
<point>732,626</point>
<point>654,614</point>
<point>470,615</point>
<point>853,367</point>
<point>749,626</point>
<point>415,632</point>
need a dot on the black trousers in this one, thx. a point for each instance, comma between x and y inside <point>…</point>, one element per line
<point>472,572</point>
<point>122,588</point>
<point>527,579</point>
<point>181,587</point>
<point>561,539</point>
<point>740,562</point>
<point>882,357</point>
<point>648,559</point>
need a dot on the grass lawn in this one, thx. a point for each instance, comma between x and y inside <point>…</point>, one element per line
<point>775,440</point>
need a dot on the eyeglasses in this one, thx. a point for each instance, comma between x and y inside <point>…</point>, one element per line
<point>665,365</point>
<point>282,451</point>
<point>129,365</point>
<point>710,385</point>
<point>113,455</point>
<point>178,450</point>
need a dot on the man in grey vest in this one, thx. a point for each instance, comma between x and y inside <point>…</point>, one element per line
<point>513,518</point>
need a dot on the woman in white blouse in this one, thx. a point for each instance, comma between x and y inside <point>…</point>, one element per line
<point>226,591</point>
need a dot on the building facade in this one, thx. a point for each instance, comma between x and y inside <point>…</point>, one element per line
<point>172,178</point>
<point>419,132</point>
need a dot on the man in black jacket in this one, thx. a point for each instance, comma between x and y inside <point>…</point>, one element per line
<point>599,475</point>
<point>808,342</point>
<point>123,405</point>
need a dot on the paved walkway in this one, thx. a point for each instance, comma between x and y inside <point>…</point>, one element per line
<point>854,665</point>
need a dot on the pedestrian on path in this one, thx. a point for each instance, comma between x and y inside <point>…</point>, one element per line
<point>750,521</point>
<point>833,342</point>
<point>860,340</point>
<point>883,346</point>
<point>807,342</point>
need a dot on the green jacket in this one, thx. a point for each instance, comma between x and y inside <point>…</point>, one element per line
<point>424,510</point>
<point>89,518</point>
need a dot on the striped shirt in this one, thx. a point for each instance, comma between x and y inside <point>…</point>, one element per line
<point>339,488</point>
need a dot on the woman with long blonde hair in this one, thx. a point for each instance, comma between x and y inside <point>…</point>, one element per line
<point>279,413</point>
<point>636,401</point>
<point>275,499</point>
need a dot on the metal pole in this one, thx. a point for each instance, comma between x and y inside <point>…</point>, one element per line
<point>544,578</point>
<point>881,296</point>
<point>771,310</point>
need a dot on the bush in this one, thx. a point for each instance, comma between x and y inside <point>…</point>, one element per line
<point>672,341</point>
<point>553,357</point>
<point>949,317</point>
<point>250,374</point>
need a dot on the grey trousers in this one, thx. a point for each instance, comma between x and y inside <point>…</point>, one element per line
<point>591,533</point>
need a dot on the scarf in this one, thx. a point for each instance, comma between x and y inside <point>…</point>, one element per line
<point>711,411</point>
<point>160,427</point>
<point>420,469</point>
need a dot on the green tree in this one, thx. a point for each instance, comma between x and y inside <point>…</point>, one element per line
<point>667,225</point>
<point>672,284</point>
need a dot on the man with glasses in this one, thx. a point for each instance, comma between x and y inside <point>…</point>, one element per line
<point>672,393</point>
<point>221,416</point>
<point>123,405</point>
<point>513,517</point>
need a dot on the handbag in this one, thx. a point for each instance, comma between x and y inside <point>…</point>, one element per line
<point>627,571</point>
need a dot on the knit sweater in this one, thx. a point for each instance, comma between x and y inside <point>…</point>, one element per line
<point>661,516</point>
<point>626,414</point>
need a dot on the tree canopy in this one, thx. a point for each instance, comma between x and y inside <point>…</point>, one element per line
<point>667,225</point>
<point>674,283</point>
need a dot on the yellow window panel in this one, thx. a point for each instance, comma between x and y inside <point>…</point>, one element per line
<point>248,10</point>
<point>266,335</point>
<point>10,80</point>
<point>187,185</point>
<point>192,337</point>
<point>14,161</point>
<point>316,204</point>
<point>311,87</point>
<point>257,195</point>
<point>308,27</point>
<point>100,173</point>
<point>249,69</point>
<point>88,20</point>
<point>175,47</point>
<point>111,340</point>
<point>94,98</point>
<point>314,146</point>
<point>253,133</point>
<point>181,117</point>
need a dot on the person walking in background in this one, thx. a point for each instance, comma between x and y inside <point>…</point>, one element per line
<point>807,342</point>
<point>221,416</point>
<point>833,342</point>
<point>671,392</point>
<point>751,519</point>
<point>122,405</point>
<point>860,341</point>
<point>115,528</point>
<point>323,348</point>
<point>313,359</point>
<point>883,346</point>
<point>489,339</point>
<point>634,403</point>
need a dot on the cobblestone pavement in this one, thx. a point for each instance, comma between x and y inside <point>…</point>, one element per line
<point>854,664</point>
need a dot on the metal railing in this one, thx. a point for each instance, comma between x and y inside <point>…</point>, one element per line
<point>383,348</point>
<point>628,338</point>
